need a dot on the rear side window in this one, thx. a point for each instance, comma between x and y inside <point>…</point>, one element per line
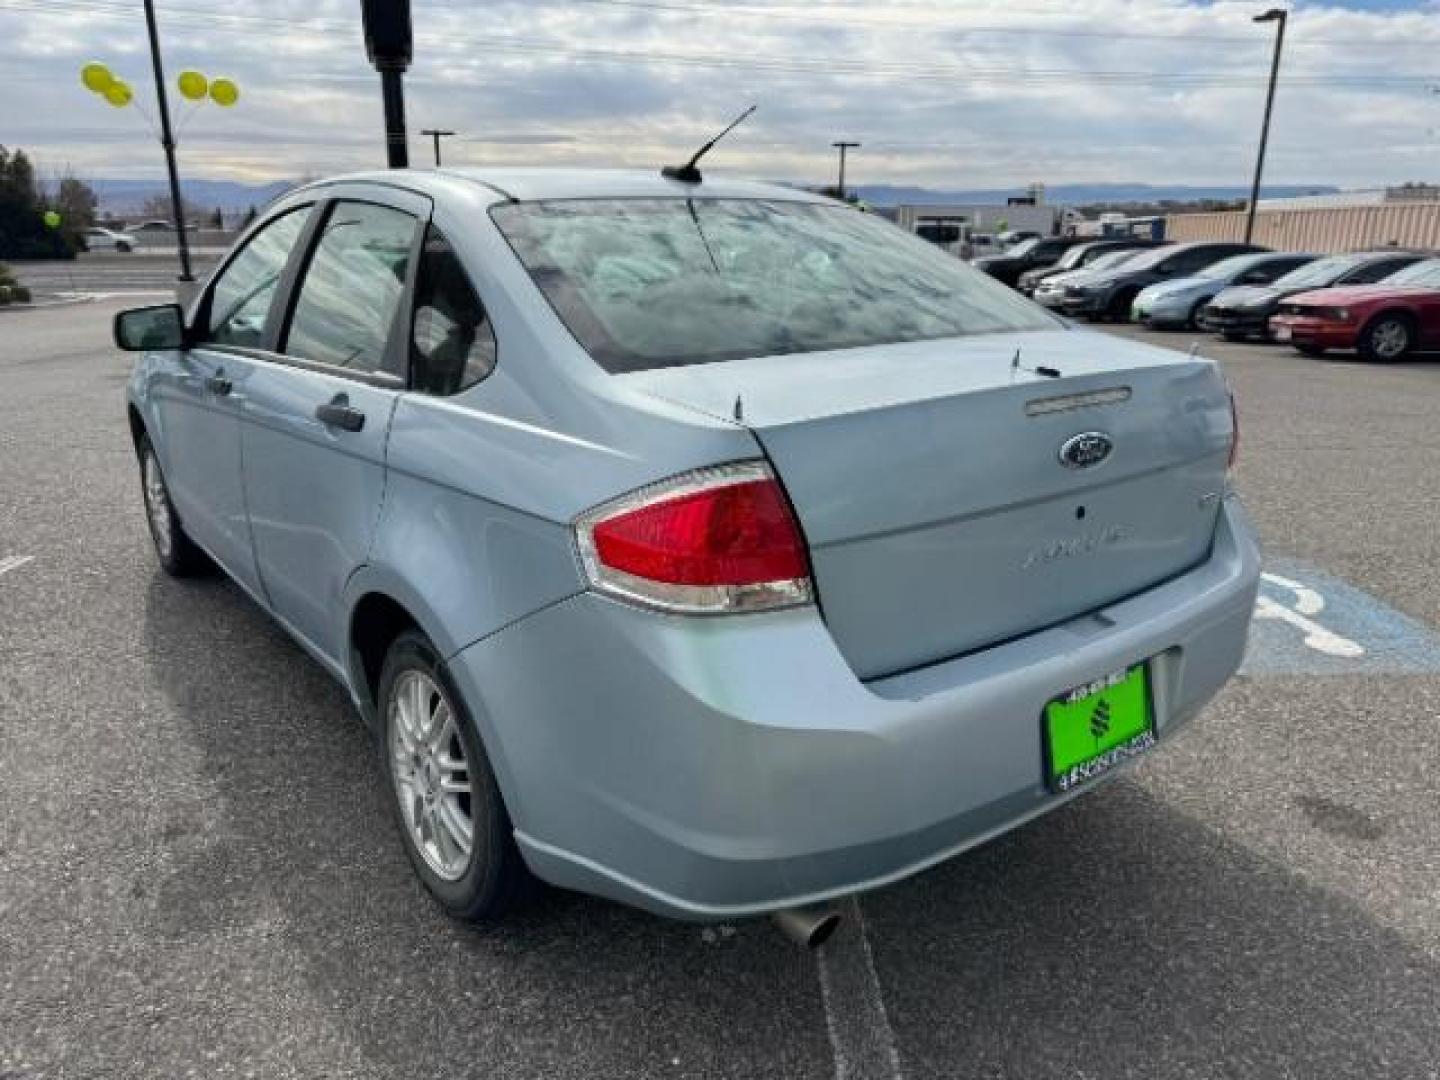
<point>351,289</point>
<point>650,283</point>
<point>241,298</point>
<point>452,346</point>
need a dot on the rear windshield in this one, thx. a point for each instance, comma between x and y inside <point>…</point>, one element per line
<point>1420,273</point>
<point>1319,272</point>
<point>649,283</point>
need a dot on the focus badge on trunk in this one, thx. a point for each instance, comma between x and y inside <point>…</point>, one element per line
<point>1086,449</point>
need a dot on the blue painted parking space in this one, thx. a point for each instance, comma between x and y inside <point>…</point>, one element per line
<point>1310,623</point>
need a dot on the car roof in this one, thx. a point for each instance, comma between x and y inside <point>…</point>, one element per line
<point>533,184</point>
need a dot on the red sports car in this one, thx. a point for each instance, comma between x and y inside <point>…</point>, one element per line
<point>1385,321</point>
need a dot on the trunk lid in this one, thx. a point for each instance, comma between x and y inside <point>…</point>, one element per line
<point>928,479</point>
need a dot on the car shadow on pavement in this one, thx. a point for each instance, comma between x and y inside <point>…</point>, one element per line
<point>1120,938</point>
<point>296,848</point>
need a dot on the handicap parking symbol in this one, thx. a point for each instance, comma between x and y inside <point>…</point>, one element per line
<point>1310,623</point>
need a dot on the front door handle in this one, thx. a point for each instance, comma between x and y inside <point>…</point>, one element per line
<point>338,412</point>
<point>218,384</point>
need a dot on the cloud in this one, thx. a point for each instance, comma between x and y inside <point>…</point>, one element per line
<point>992,93</point>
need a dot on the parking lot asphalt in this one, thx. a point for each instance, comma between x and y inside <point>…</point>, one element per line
<point>199,877</point>
<point>145,270</point>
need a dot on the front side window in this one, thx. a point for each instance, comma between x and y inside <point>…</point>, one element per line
<point>452,346</point>
<point>650,283</point>
<point>240,300</point>
<point>352,287</point>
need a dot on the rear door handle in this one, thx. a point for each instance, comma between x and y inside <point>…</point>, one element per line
<point>338,412</point>
<point>218,384</point>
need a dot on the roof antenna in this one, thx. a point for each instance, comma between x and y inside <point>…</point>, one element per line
<point>688,173</point>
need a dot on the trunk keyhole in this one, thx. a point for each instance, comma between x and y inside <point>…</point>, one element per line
<point>1079,511</point>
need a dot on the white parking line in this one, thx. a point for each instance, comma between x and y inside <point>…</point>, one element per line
<point>860,1035</point>
<point>13,562</point>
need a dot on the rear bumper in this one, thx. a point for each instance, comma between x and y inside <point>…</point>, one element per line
<point>713,768</point>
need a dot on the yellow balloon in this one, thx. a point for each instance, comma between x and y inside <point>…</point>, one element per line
<point>193,85</point>
<point>118,93</point>
<point>96,77</point>
<point>224,92</point>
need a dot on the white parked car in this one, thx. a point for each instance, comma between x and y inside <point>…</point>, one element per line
<point>98,239</point>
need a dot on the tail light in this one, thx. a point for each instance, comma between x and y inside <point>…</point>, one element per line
<point>713,541</point>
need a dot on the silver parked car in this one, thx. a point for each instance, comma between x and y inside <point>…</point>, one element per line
<point>710,546</point>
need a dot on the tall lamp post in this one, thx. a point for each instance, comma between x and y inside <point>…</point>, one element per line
<point>842,147</point>
<point>436,134</point>
<point>167,140</point>
<point>1277,16</point>
<point>388,45</point>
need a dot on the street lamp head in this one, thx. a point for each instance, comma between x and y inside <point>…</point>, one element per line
<point>1273,15</point>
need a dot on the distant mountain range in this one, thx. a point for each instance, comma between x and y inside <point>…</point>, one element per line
<point>230,195</point>
<point>1083,194</point>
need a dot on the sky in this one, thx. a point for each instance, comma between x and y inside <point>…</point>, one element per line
<point>990,93</point>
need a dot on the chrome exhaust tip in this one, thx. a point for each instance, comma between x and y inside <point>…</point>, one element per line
<point>807,927</point>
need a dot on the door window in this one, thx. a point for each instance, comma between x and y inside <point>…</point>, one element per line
<point>241,298</point>
<point>452,346</point>
<point>352,286</point>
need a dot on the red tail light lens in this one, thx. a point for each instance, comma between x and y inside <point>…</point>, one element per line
<point>712,541</point>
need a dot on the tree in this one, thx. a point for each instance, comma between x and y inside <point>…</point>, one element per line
<point>250,215</point>
<point>23,233</point>
<point>217,219</point>
<point>77,202</point>
<point>159,208</point>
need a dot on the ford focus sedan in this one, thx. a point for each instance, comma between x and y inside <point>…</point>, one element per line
<point>713,547</point>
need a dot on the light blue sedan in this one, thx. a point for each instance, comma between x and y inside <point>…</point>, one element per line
<point>711,546</point>
<point>1176,304</point>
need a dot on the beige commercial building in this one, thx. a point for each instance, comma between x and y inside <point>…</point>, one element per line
<point>1324,229</point>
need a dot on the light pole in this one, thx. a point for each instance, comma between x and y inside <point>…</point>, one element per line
<point>167,140</point>
<point>436,134</point>
<point>842,147</point>
<point>386,24</point>
<point>1278,16</point>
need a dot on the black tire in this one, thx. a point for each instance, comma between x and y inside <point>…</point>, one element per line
<point>1233,335</point>
<point>123,247</point>
<point>1193,322</point>
<point>178,554</point>
<point>495,878</point>
<point>1387,337</point>
<point>1310,350</point>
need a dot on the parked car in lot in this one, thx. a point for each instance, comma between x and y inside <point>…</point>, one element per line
<point>1109,296</point>
<point>1386,321</point>
<point>1244,311</point>
<point>713,547</point>
<point>1050,293</point>
<point>1078,257</point>
<point>1026,255</point>
<point>1177,304</point>
<point>98,239</point>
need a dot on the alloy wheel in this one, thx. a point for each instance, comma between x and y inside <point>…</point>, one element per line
<point>1390,339</point>
<point>431,774</point>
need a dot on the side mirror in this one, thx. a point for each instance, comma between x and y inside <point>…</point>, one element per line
<point>142,329</point>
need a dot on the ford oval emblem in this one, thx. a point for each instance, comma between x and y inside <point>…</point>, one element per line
<point>1085,450</point>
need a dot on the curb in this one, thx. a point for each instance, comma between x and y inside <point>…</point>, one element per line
<point>68,301</point>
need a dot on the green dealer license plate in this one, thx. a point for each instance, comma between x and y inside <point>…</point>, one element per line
<point>1097,726</point>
